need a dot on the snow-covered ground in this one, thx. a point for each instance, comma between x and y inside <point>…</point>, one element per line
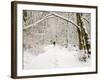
<point>54,57</point>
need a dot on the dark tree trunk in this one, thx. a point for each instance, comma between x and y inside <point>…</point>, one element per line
<point>83,36</point>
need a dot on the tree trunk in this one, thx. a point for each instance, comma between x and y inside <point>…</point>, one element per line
<point>83,36</point>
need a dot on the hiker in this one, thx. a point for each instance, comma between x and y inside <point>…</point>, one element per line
<point>54,43</point>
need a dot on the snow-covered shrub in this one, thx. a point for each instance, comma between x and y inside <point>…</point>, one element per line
<point>83,55</point>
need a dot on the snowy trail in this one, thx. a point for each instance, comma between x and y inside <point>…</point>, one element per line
<point>54,57</point>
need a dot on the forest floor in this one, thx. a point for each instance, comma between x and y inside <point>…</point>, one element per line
<point>54,57</point>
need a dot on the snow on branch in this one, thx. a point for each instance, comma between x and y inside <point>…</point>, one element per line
<point>57,15</point>
<point>37,22</point>
<point>85,19</point>
<point>47,16</point>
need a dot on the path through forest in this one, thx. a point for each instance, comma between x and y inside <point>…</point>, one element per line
<point>54,57</point>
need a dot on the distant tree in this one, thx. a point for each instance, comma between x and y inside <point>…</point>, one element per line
<point>24,15</point>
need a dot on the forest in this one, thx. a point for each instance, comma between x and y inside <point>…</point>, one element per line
<point>45,31</point>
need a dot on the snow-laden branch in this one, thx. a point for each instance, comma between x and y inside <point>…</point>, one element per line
<point>37,22</point>
<point>85,19</point>
<point>55,14</point>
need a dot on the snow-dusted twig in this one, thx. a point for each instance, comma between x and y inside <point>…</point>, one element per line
<point>85,20</point>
